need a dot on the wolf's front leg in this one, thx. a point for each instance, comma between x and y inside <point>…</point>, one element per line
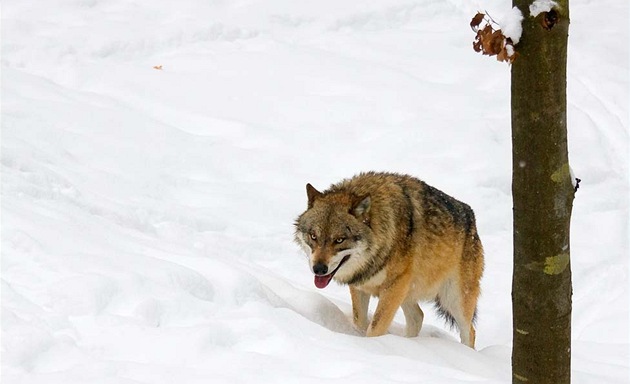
<point>388,302</point>
<point>360,304</point>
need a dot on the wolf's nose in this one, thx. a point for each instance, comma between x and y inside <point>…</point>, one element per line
<point>320,269</point>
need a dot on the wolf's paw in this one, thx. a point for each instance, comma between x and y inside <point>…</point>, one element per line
<point>374,332</point>
<point>361,329</point>
<point>412,331</point>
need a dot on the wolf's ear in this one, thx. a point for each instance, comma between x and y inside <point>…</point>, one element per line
<point>362,206</point>
<point>312,194</point>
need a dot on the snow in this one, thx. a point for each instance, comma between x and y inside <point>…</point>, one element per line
<point>539,6</point>
<point>147,214</point>
<point>512,27</point>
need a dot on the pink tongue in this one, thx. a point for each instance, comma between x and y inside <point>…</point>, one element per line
<point>322,281</point>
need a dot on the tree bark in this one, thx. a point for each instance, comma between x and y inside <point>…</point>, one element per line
<point>542,192</point>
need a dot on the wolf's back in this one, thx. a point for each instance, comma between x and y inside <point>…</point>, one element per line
<point>409,198</point>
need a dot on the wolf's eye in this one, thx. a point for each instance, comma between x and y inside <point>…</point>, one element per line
<point>313,237</point>
<point>340,240</point>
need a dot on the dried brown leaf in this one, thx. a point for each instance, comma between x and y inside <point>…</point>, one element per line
<point>490,41</point>
<point>474,23</point>
<point>496,42</point>
<point>477,46</point>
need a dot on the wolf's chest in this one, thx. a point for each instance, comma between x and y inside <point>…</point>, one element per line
<point>373,284</point>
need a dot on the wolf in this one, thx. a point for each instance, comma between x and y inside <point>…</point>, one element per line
<point>394,237</point>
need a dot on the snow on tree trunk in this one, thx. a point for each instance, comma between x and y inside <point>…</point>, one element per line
<point>543,193</point>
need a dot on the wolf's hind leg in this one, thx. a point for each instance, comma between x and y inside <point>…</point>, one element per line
<point>360,304</point>
<point>413,318</point>
<point>466,333</point>
<point>465,318</point>
<point>458,308</point>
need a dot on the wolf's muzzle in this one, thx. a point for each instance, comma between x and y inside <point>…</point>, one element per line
<point>320,269</point>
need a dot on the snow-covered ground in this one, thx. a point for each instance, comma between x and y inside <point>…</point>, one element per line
<point>147,213</point>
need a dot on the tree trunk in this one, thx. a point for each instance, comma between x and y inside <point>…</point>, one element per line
<point>542,192</point>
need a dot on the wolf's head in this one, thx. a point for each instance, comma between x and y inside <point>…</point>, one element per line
<point>335,233</point>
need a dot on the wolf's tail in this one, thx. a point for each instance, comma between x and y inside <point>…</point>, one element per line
<point>471,269</point>
<point>444,313</point>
